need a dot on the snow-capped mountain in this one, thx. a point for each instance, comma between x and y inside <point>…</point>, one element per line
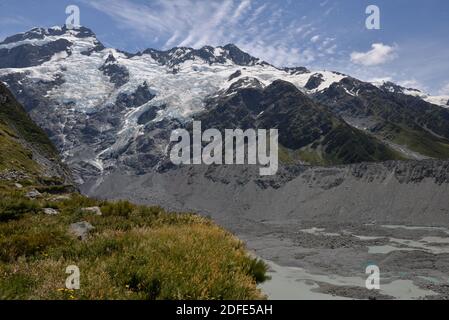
<point>105,108</point>
<point>442,101</point>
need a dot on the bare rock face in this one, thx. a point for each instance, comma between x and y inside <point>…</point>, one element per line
<point>314,81</point>
<point>29,55</point>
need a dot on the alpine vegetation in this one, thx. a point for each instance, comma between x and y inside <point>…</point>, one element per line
<point>189,151</point>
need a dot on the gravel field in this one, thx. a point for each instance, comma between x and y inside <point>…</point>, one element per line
<point>319,228</point>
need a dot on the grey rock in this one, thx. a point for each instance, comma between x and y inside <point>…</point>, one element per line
<point>139,97</point>
<point>12,175</point>
<point>51,211</point>
<point>28,55</point>
<point>314,81</point>
<point>61,198</point>
<point>236,74</point>
<point>33,194</point>
<point>18,186</point>
<point>118,74</point>
<point>297,70</point>
<point>93,210</point>
<point>81,229</point>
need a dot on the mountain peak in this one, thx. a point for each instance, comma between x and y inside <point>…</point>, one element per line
<point>240,57</point>
<point>229,53</point>
<point>39,45</point>
<point>42,33</point>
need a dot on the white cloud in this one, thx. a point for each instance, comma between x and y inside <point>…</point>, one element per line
<point>379,54</point>
<point>411,83</point>
<point>315,38</point>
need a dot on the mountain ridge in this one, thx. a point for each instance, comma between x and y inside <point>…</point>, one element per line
<point>105,108</point>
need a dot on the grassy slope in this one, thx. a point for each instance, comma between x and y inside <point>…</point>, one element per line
<point>349,145</point>
<point>341,145</point>
<point>417,140</point>
<point>17,133</point>
<point>134,252</point>
<point>13,155</point>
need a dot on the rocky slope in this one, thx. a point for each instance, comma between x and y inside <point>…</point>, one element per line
<point>391,115</point>
<point>307,130</point>
<point>24,147</point>
<point>411,193</point>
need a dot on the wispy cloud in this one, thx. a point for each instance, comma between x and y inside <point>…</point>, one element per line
<point>379,54</point>
<point>17,20</point>
<point>444,90</point>
<point>259,28</point>
<point>241,9</point>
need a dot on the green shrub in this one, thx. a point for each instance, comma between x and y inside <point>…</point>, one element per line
<point>258,270</point>
<point>134,252</point>
<point>119,208</point>
<point>14,208</point>
<point>16,286</point>
<point>146,211</point>
<point>140,282</point>
<point>56,189</point>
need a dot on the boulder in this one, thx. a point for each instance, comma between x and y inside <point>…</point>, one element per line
<point>33,194</point>
<point>81,229</point>
<point>51,211</point>
<point>61,198</point>
<point>93,210</point>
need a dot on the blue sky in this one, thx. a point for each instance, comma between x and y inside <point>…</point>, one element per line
<point>411,48</point>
